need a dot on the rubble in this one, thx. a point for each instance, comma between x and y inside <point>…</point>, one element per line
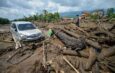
<point>71,49</point>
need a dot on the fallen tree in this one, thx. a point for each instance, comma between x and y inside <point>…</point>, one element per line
<point>75,44</point>
<point>89,42</point>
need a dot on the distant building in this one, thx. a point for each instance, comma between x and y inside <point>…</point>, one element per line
<point>85,15</point>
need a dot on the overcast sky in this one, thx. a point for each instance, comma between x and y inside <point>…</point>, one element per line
<point>18,8</point>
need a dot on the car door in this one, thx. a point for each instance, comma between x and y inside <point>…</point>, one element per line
<point>14,31</point>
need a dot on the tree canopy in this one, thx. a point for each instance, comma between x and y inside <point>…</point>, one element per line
<point>110,13</point>
<point>45,17</point>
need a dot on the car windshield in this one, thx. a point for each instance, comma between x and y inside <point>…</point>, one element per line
<point>26,27</point>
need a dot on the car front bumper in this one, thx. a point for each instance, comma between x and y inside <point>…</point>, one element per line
<point>33,38</point>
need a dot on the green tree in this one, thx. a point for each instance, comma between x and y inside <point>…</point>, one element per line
<point>41,17</point>
<point>56,16</point>
<point>110,11</point>
<point>45,13</point>
<point>50,17</point>
<point>45,16</point>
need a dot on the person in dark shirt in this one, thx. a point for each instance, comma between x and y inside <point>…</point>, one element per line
<point>77,21</point>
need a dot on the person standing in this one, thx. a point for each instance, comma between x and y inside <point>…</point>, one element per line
<point>77,20</point>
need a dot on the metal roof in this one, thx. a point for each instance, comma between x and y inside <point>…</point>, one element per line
<point>20,22</point>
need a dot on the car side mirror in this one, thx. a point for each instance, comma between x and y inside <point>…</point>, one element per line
<point>15,30</point>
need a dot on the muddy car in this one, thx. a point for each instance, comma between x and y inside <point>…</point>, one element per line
<point>23,31</point>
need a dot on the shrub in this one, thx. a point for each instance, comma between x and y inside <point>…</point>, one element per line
<point>4,21</point>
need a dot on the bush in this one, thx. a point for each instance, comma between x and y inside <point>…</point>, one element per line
<point>112,16</point>
<point>4,21</point>
<point>94,17</point>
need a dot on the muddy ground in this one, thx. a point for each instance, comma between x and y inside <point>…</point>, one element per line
<point>47,56</point>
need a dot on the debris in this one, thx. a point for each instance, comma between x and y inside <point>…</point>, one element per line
<point>70,42</point>
<point>70,64</point>
<point>6,48</point>
<point>107,52</point>
<point>93,44</point>
<point>50,32</point>
<point>86,49</point>
<point>75,53</point>
<point>91,59</point>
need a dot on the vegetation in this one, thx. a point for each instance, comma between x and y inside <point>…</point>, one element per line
<point>45,17</point>
<point>94,17</point>
<point>97,14</point>
<point>110,13</point>
<point>100,13</point>
<point>4,21</point>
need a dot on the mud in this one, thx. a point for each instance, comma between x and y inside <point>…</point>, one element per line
<point>30,59</point>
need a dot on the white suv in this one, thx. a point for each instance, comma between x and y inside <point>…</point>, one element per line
<point>25,31</point>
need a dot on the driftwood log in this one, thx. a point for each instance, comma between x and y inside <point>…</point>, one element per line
<point>91,60</point>
<point>70,42</point>
<point>93,44</point>
<point>70,33</point>
<point>81,67</point>
<point>74,53</point>
<point>80,29</point>
<point>95,68</point>
<point>107,52</point>
<point>89,42</point>
<point>111,63</point>
<point>102,36</point>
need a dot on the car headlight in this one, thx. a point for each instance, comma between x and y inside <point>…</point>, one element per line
<point>23,36</point>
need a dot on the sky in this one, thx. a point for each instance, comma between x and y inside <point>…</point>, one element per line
<point>13,9</point>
